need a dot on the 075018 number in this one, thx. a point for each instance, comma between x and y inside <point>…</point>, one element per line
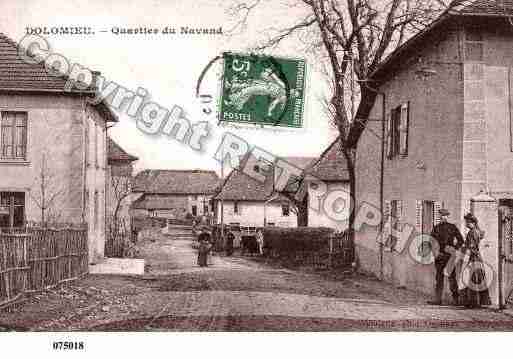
<point>68,346</point>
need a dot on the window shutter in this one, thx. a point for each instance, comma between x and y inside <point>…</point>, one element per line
<point>86,140</point>
<point>418,216</point>
<point>386,210</point>
<point>387,229</point>
<point>388,135</point>
<point>437,206</point>
<point>403,129</point>
<point>400,212</point>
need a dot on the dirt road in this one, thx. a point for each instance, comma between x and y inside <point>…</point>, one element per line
<point>236,294</point>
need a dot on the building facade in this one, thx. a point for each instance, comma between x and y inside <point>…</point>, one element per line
<point>52,150</point>
<point>119,188</point>
<point>174,194</point>
<point>327,178</point>
<point>446,95</point>
<point>245,201</point>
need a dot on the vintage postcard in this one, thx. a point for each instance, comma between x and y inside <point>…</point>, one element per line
<point>255,166</point>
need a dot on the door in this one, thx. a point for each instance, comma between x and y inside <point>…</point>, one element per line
<point>12,209</point>
<point>428,216</point>
<point>505,272</point>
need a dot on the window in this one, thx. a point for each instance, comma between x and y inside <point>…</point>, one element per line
<point>427,215</point>
<point>473,44</point>
<point>14,135</point>
<point>86,140</point>
<point>397,131</point>
<point>236,207</point>
<point>12,209</point>
<point>285,209</point>
<point>194,210</point>
<point>393,213</point>
<point>86,203</point>
<point>95,145</point>
<point>96,209</point>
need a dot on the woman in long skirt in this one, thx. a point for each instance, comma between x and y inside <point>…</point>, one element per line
<point>204,249</point>
<point>475,294</point>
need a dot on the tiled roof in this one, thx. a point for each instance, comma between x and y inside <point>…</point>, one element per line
<point>331,164</point>
<point>176,181</point>
<point>239,186</point>
<point>152,201</point>
<point>116,153</point>
<point>17,75</point>
<point>458,8</point>
<point>482,7</point>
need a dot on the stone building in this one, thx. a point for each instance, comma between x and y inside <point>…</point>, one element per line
<point>447,99</point>
<point>249,202</point>
<point>119,187</point>
<point>328,189</point>
<point>174,194</point>
<point>52,150</point>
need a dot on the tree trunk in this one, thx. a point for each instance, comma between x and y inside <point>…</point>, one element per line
<point>302,212</point>
<point>349,154</point>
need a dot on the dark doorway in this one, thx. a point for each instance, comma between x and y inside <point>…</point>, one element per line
<point>428,216</point>
<point>12,209</point>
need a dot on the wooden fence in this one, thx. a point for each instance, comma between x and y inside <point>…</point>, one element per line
<point>36,259</point>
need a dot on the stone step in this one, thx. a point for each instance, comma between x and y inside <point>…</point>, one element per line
<point>179,226</point>
<point>121,266</point>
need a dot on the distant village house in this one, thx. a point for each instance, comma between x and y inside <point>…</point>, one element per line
<point>174,194</point>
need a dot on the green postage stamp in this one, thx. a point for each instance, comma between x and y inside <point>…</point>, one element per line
<point>262,90</point>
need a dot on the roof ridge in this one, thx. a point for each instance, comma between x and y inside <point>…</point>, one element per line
<point>22,76</point>
<point>9,40</point>
<point>118,148</point>
<point>177,170</point>
<point>460,4</point>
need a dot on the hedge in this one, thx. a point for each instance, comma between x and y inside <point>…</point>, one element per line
<point>287,241</point>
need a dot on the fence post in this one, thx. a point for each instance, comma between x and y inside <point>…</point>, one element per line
<point>6,274</point>
<point>331,251</point>
<point>25,264</point>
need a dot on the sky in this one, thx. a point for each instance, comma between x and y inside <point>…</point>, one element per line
<point>168,66</point>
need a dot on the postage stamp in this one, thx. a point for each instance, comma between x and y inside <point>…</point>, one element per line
<point>262,90</point>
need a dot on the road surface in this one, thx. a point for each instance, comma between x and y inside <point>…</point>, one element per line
<point>235,294</point>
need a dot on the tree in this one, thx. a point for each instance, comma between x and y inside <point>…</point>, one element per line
<point>121,189</point>
<point>300,209</point>
<point>48,189</point>
<point>351,38</point>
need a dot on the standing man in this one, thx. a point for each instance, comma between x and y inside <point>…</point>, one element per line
<point>230,238</point>
<point>449,240</point>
